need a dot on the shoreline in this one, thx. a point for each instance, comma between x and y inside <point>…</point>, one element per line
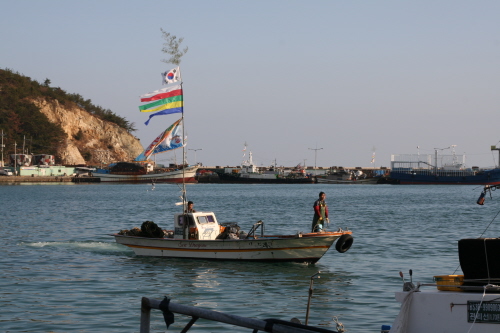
<point>37,179</point>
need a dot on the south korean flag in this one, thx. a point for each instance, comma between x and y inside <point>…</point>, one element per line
<point>171,76</point>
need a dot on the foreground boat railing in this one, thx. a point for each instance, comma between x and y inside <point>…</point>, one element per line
<point>168,308</point>
<point>254,228</point>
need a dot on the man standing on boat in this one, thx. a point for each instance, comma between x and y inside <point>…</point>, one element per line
<point>190,208</point>
<point>320,213</point>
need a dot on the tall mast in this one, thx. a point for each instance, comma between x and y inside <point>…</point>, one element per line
<point>185,233</point>
<point>184,196</point>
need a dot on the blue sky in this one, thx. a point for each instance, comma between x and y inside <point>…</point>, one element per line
<point>283,76</point>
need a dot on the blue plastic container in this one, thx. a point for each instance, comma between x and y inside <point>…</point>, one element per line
<point>385,329</point>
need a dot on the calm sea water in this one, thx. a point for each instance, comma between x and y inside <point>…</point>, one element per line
<point>61,272</point>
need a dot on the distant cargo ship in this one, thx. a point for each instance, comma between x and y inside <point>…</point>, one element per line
<point>424,169</point>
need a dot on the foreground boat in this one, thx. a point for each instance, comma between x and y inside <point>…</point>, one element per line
<point>424,169</point>
<point>457,303</point>
<point>205,238</point>
<point>198,235</point>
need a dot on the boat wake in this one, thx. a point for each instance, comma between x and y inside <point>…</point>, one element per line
<point>86,246</point>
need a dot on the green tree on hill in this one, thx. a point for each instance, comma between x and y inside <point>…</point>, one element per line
<point>20,118</point>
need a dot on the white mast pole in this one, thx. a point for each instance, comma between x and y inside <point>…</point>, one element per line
<point>184,196</point>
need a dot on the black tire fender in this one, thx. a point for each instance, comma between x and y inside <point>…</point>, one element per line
<point>344,243</point>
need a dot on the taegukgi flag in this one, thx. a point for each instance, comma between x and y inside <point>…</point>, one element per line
<point>171,76</point>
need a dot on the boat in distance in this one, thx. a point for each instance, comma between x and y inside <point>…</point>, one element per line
<point>139,173</point>
<point>202,237</point>
<point>142,170</point>
<point>451,170</point>
<point>249,173</point>
<point>262,179</point>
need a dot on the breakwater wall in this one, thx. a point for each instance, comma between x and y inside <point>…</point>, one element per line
<point>38,179</point>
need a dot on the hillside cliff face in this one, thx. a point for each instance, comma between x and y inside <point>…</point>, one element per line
<point>89,140</point>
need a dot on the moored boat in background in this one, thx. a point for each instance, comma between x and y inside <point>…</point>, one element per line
<point>144,171</point>
<point>131,172</point>
<point>451,170</point>
<point>346,176</point>
<point>249,173</point>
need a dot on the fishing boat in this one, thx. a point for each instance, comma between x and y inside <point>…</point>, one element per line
<point>199,235</point>
<point>345,176</point>
<point>445,170</point>
<point>249,173</point>
<point>456,303</point>
<point>132,172</point>
<point>142,170</point>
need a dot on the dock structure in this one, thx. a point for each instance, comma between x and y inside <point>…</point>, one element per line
<point>47,179</point>
<point>309,169</point>
<point>210,174</point>
<point>35,179</point>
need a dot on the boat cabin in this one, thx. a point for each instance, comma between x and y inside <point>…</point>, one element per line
<point>201,226</point>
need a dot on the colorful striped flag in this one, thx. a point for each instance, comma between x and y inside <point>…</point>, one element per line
<point>162,93</point>
<point>164,101</point>
<point>169,139</point>
<point>164,112</point>
<point>162,104</point>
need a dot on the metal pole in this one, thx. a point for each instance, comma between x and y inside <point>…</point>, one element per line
<point>3,164</point>
<point>195,150</point>
<point>435,161</point>
<point>315,155</point>
<point>15,158</point>
<point>495,148</point>
<point>185,233</point>
<point>145,315</point>
<point>315,276</point>
<point>436,158</point>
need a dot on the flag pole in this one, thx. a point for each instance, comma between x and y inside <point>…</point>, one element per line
<point>184,197</point>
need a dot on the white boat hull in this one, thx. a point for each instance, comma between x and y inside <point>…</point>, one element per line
<point>298,248</point>
<point>447,311</point>
<point>165,177</point>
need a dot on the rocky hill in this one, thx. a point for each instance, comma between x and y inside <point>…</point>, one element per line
<point>51,121</point>
<point>88,138</point>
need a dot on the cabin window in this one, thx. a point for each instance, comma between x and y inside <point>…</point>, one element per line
<point>206,219</point>
<point>191,221</point>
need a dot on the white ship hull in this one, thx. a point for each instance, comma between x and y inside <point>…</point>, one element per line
<point>447,311</point>
<point>164,177</point>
